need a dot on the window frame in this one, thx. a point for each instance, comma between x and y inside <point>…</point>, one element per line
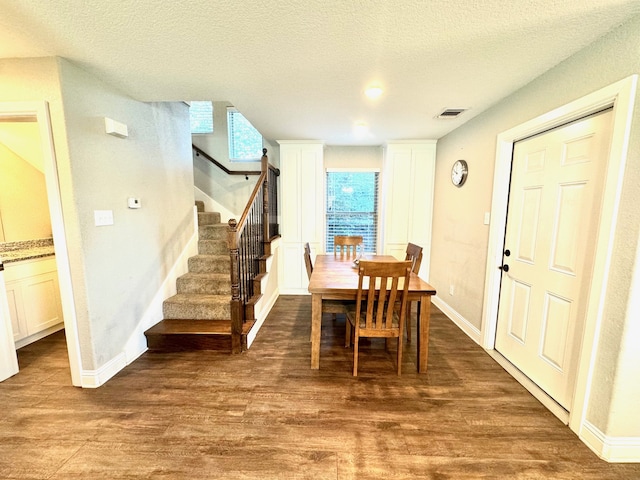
<point>378,205</point>
<point>190,118</point>
<point>230,138</point>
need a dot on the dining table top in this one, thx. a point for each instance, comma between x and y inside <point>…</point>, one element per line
<point>338,274</point>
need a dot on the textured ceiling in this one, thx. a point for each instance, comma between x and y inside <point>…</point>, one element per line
<point>298,68</point>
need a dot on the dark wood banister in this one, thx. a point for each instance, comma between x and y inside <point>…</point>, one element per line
<point>200,152</point>
<point>253,216</point>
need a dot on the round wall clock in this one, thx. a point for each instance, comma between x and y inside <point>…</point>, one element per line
<point>459,173</point>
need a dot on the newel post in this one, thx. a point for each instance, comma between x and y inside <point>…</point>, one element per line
<point>236,302</point>
<point>265,203</point>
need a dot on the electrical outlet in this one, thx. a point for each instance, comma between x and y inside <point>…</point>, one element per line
<point>451,289</point>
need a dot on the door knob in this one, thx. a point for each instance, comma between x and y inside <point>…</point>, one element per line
<point>504,268</point>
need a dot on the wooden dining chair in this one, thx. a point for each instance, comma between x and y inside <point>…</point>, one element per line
<point>328,306</point>
<point>414,253</point>
<point>347,244</point>
<point>381,304</point>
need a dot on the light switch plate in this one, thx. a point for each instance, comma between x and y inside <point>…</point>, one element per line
<point>103,217</point>
<point>487,218</point>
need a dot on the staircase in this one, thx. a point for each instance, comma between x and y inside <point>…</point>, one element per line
<point>198,317</point>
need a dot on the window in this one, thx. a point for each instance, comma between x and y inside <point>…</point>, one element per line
<point>245,142</point>
<point>201,115</point>
<point>352,206</point>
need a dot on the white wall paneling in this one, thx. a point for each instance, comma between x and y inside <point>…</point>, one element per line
<point>407,196</point>
<point>301,181</point>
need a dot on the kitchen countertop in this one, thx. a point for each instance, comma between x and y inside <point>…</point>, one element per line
<point>26,250</point>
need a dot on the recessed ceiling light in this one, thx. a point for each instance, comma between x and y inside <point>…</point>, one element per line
<point>360,129</point>
<point>373,92</point>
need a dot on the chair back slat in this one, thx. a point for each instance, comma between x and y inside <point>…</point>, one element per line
<point>384,295</point>
<point>347,244</point>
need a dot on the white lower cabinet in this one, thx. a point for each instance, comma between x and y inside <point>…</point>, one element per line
<point>34,299</point>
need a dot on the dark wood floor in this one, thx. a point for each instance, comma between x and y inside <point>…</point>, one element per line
<point>265,415</point>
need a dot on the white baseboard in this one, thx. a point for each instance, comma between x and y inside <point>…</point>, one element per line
<point>97,378</point>
<point>467,327</point>
<point>611,449</point>
<point>38,336</point>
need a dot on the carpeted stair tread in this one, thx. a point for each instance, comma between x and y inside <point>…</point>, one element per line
<point>210,264</point>
<point>213,247</point>
<point>204,283</point>
<point>219,231</point>
<point>208,218</point>
<point>197,307</point>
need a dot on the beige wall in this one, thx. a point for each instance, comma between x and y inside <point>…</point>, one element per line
<point>124,265</point>
<point>116,269</point>
<point>353,157</point>
<point>460,238</point>
<point>24,208</point>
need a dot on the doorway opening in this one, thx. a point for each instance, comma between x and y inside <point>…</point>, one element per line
<point>38,114</point>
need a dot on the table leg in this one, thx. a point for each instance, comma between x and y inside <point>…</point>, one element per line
<point>316,322</point>
<point>423,332</point>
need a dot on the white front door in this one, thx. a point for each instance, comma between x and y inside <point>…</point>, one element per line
<point>552,223</point>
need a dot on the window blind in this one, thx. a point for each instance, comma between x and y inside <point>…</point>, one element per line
<point>352,206</point>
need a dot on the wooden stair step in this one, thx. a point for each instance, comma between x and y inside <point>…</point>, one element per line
<point>179,334</point>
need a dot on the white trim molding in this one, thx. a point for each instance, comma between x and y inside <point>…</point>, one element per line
<point>98,377</point>
<point>611,449</point>
<point>41,112</point>
<point>465,325</point>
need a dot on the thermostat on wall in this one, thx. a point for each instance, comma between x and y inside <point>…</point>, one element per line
<point>133,202</point>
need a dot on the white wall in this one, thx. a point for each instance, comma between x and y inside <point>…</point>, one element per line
<point>119,268</point>
<point>460,238</point>
<point>115,270</point>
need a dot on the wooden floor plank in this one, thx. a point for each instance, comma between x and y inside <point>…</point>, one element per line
<point>264,414</point>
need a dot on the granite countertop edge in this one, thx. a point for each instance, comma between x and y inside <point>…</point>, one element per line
<point>26,250</point>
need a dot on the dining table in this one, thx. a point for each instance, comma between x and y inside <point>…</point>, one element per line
<point>335,277</point>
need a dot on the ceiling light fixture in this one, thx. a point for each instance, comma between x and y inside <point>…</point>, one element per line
<point>373,92</point>
<point>360,129</point>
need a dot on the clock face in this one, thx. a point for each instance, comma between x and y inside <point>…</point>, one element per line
<point>459,173</point>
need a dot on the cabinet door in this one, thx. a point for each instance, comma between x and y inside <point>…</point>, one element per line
<point>16,310</point>
<point>41,302</point>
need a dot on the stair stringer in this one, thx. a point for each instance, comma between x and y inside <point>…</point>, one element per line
<point>270,292</point>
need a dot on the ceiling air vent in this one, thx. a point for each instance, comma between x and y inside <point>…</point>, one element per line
<point>451,112</point>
